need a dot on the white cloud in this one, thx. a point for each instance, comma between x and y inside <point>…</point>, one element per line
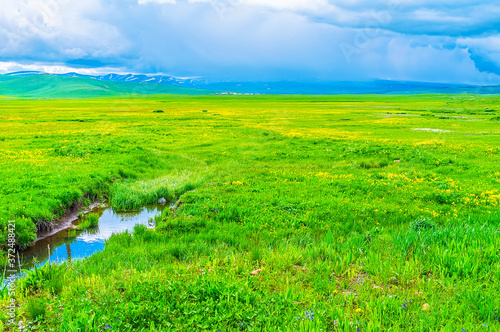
<point>431,15</point>
<point>12,66</point>
<point>491,43</point>
<point>256,39</point>
<point>485,51</point>
<point>161,2</point>
<point>55,26</point>
<point>292,5</point>
<point>75,52</point>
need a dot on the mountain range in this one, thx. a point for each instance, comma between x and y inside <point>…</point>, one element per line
<point>32,84</point>
<point>39,85</point>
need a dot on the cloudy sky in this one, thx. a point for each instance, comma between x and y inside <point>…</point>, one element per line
<point>454,41</point>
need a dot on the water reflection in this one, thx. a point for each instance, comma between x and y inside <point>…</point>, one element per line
<point>70,244</point>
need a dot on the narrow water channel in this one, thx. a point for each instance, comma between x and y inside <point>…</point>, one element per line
<point>69,244</point>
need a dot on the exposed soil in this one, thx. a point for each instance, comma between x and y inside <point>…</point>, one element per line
<point>65,222</point>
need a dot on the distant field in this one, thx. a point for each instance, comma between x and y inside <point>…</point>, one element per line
<point>298,213</point>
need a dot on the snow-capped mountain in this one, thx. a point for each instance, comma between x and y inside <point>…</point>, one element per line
<point>372,87</point>
<point>132,78</point>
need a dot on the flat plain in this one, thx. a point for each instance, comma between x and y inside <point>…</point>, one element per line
<point>293,213</point>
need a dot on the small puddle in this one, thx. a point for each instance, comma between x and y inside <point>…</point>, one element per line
<point>63,245</point>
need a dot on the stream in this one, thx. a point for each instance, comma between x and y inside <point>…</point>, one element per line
<point>68,244</point>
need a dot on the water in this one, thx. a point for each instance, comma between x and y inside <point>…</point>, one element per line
<point>63,245</point>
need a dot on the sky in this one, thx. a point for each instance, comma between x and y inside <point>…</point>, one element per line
<point>449,41</point>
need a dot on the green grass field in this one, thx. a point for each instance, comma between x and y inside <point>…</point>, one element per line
<point>296,213</point>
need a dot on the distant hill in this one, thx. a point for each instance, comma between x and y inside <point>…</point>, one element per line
<point>337,88</point>
<point>32,84</point>
<point>52,86</point>
<point>128,78</point>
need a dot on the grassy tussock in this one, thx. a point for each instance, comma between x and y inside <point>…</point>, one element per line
<point>90,220</point>
<point>135,194</point>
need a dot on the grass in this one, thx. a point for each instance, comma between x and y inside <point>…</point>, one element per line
<point>35,308</point>
<point>91,220</point>
<point>289,217</point>
<point>129,195</point>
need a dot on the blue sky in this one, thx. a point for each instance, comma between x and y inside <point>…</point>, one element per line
<point>257,40</point>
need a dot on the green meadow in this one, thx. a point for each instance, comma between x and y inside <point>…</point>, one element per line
<point>293,213</point>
